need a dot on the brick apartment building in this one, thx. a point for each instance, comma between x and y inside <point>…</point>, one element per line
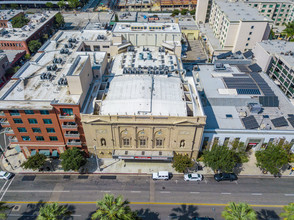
<point>18,38</point>
<point>6,16</point>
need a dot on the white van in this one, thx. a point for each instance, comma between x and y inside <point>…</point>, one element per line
<point>161,175</point>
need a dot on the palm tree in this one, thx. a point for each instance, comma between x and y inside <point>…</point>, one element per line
<point>53,211</point>
<point>241,211</point>
<point>289,30</point>
<point>3,208</point>
<point>289,212</point>
<point>110,208</point>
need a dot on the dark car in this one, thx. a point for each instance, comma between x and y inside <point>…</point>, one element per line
<point>225,176</point>
<point>203,218</point>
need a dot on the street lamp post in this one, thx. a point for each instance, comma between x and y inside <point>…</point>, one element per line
<point>97,159</point>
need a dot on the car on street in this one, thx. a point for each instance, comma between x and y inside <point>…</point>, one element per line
<point>161,175</point>
<point>5,175</point>
<point>193,177</point>
<point>225,176</point>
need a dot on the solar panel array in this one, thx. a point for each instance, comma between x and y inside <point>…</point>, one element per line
<point>243,68</point>
<point>250,122</point>
<point>255,68</point>
<point>248,91</point>
<point>269,101</point>
<point>291,120</point>
<point>279,122</point>
<point>243,84</point>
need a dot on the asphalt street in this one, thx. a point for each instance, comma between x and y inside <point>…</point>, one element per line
<point>154,199</point>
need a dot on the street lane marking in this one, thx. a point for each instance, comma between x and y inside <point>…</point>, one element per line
<point>105,191</point>
<point>256,194</point>
<point>37,191</point>
<point>226,193</point>
<point>4,185</point>
<point>6,189</point>
<point>164,192</point>
<point>140,203</point>
<point>289,194</point>
<point>195,192</point>
<point>135,191</point>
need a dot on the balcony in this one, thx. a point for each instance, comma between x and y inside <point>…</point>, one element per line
<point>4,121</point>
<point>67,125</point>
<point>13,139</point>
<point>2,113</point>
<point>74,143</point>
<point>9,131</point>
<point>67,117</point>
<point>69,135</point>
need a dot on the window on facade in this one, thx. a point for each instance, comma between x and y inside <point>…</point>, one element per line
<point>17,121</point>
<point>262,10</point>
<point>271,6</point>
<point>246,44</point>
<point>66,111</point>
<point>40,138</point>
<point>22,129</point>
<point>248,38</point>
<point>50,130</point>
<point>26,138</point>
<point>47,121</point>
<point>250,33</point>
<point>142,142</point>
<point>269,10</point>
<point>159,142</point>
<point>264,6</point>
<point>103,142</point>
<point>13,112</point>
<point>226,141</point>
<point>44,112</point>
<point>53,138</point>
<point>182,143</point>
<point>29,112</point>
<point>205,143</point>
<point>33,121</point>
<point>126,142</point>
<point>36,130</point>
<point>255,5</point>
<point>105,46</point>
<point>252,27</point>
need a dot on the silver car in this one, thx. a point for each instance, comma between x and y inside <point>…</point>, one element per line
<point>193,177</point>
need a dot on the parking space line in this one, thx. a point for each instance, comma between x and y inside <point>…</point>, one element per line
<point>135,191</point>
<point>105,191</point>
<point>164,192</point>
<point>256,194</point>
<point>226,193</point>
<point>289,194</point>
<point>7,188</point>
<point>4,185</point>
<point>195,192</point>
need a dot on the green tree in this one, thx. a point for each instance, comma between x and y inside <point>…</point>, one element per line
<point>3,209</point>
<point>19,21</point>
<point>241,211</point>
<point>27,56</point>
<point>221,158</point>
<point>73,3</point>
<point>59,20</point>
<point>289,30</point>
<point>110,208</point>
<point>182,162</point>
<point>272,159</point>
<point>53,211</point>
<point>14,6</point>
<point>184,11</point>
<point>192,12</point>
<point>72,159</point>
<point>34,162</point>
<point>61,4</point>
<point>3,7</point>
<point>175,12</point>
<point>115,18</point>
<point>49,4</point>
<point>34,45</point>
<point>288,213</point>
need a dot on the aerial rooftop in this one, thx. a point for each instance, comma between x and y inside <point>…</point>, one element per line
<point>21,34</point>
<point>8,14</point>
<point>146,27</point>
<point>229,92</point>
<point>236,11</point>
<point>283,49</point>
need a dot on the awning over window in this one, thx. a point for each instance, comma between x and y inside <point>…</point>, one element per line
<point>33,152</point>
<point>17,148</point>
<point>55,153</point>
<point>45,152</point>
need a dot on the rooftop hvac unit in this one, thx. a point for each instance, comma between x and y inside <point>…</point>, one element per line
<point>42,76</point>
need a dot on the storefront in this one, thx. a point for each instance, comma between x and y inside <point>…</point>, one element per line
<point>143,155</point>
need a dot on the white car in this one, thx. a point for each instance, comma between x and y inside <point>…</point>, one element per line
<point>5,175</point>
<point>161,175</point>
<point>193,177</point>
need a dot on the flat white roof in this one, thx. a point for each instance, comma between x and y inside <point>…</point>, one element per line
<point>282,49</point>
<point>144,95</point>
<point>236,11</point>
<point>8,14</point>
<point>146,27</point>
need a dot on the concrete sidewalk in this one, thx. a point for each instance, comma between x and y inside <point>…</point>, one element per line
<point>116,166</point>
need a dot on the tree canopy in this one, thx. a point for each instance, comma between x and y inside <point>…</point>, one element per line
<point>73,3</point>
<point>59,20</point>
<point>53,211</point>
<point>289,30</point>
<point>19,21</point>
<point>182,162</point>
<point>111,208</point>
<point>241,211</point>
<point>72,159</point>
<point>288,213</point>
<point>34,162</point>
<point>221,158</point>
<point>49,4</point>
<point>3,209</point>
<point>272,159</point>
<point>34,45</point>
<point>61,4</point>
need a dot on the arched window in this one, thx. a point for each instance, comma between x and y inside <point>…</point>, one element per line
<point>182,143</point>
<point>103,142</point>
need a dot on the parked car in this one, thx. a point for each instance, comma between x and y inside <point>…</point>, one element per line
<point>161,175</point>
<point>225,176</point>
<point>5,175</point>
<point>203,218</point>
<point>193,177</point>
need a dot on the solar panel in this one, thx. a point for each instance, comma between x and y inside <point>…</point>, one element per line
<point>255,68</point>
<point>224,55</point>
<point>248,54</point>
<point>279,122</point>
<point>262,84</point>
<point>248,91</point>
<point>269,101</point>
<point>291,120</point>
<point>243,68</point>
<point>250,122</point>
<point>237,83</point>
